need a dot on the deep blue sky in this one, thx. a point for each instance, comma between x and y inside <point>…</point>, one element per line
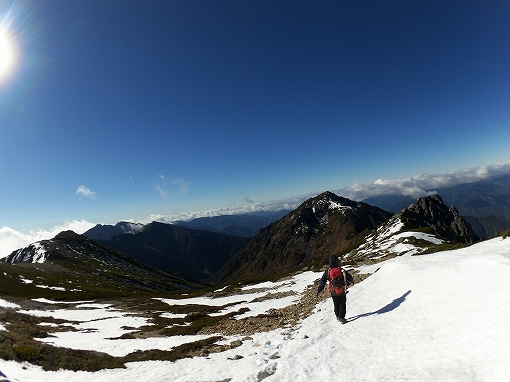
<point>162,107</point>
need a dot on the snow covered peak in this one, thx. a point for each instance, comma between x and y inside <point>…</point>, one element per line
<point>32,253</point>
<point>413,230</point>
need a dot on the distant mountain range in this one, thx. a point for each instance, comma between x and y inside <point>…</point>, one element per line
<point>186,255</point>
<point>74,266</point>
<point>321,226</point>
<point>247,225</point>
<point>198,254</point>
<point>485,204</point>
<point>107,232</point>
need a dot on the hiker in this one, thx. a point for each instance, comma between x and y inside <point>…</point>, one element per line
<point>336,277</point>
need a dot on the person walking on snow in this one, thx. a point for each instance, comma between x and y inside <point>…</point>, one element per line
<point>339,280</point>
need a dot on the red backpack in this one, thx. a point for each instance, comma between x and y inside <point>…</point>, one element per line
<point>336,281</point>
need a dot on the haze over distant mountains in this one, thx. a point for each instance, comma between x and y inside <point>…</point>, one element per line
<point>485,204</point>
<point>305,237</point>
<point>480,194</point>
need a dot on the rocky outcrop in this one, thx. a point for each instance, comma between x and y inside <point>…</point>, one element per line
<point>32,253</point>
<point>322,226</point>
<point>432,212</point>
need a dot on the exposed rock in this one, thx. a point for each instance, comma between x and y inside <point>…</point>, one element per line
<point>325,225</point>
<point>286,317</point>
<point>431,211</point>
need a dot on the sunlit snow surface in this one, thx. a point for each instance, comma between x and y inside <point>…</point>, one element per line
<point>437,317</point>
<point>7,304</point>
<point>389,239</point>
<point>297,284</point>
<point>35,252</point>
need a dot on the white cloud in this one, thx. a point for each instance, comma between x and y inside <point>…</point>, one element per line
<point>11,240</point>
<point>83,191</point>
<point>165,189</point>
<point>424,184</point>
<point>275,205</point>
<point>414,186</point>
<point>183,186</point>
<point>162,192</point>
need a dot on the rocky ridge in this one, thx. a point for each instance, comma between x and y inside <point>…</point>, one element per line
<point>446,222</point>
<point>321,226</point>
<point>417,228</point>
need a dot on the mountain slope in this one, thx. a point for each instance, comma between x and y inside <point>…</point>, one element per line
<point>418,227</point>
<point>198,254</point>
<point>485,203</point>
<point>106,232</point>
<point>325,225</point>
<point>403,327</point>
<point>72,265</point>
<point>247,225</point>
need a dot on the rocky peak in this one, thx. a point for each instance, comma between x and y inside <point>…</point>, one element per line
<point>431,211</point>
<point>315,211</point>
<point>32,253</point>
<point>107,232</point>
<point>320,227</point>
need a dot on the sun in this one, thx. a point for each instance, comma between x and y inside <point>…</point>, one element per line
<point>7,54</point>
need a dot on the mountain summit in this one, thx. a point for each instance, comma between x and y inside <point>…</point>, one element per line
<point>106,232</point>
<point>446,222</point>
<point>418,227</point>
<point>321,226</point>
<point>72,262</point>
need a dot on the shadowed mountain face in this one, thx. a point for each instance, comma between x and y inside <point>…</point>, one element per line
<point>199,254</point>
<point>106,232</point>
<point>321,226</point>
<point>73,264</point>
<point>485,204</point>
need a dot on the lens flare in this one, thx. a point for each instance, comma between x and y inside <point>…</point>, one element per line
<point>7,54</point>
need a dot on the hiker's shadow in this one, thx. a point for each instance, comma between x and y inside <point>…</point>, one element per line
<point>385,309</point>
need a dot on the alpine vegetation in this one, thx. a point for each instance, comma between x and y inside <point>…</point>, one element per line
<point>75,309</point>
<point>392,327</point>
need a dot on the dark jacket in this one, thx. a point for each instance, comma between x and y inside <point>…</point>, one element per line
<point>333,263</point>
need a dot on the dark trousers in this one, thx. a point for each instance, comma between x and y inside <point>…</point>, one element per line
<point>340,302</point>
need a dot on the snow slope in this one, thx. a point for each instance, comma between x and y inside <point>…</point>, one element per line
<point>443,316</point>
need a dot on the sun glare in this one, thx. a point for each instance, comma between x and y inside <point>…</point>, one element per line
<point>7,54</point>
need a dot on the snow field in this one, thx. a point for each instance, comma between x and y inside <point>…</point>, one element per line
<point>438,317</point>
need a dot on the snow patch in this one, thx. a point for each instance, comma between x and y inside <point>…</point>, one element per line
<point>7,304</point>
<point>338,206</point>
<point>26,281</point>
<point>401,327</point>
<point>33,253</point>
